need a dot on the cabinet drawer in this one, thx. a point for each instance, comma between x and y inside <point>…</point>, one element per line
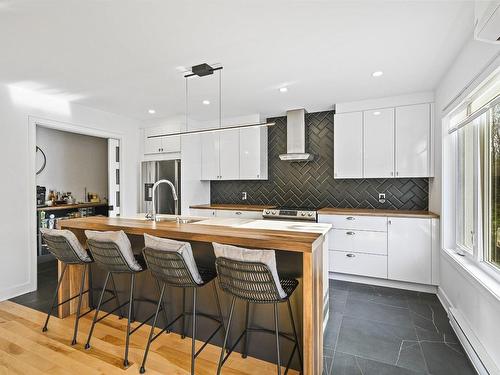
<point>201,212</point>
<point>239,214</point>
<point>358,264</point>
<point>373,223</point>
<point>369,242</point>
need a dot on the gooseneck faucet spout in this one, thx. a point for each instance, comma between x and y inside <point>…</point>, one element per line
<point>174,193</point>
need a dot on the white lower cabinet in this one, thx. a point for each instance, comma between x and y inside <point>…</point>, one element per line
<point>239,214</point>
<point>360,241</point>
<point>410,250</point>
<point>394,248</point>
<point>202,212</point>
<point>358,263</point>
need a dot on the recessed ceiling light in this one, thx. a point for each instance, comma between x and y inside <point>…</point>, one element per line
<point>206,102</point>
<point>283,89</point>
<point>151,111</point>
<point>378,73</point>
<point>376,113</point>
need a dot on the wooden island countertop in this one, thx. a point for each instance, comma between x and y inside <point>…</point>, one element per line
<point>306,249</point>
<point>258,238</point>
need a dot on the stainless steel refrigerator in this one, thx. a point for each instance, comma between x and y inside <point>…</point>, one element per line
<point>152,171</point>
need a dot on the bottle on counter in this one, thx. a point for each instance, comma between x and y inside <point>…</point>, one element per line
<point>52,221</point>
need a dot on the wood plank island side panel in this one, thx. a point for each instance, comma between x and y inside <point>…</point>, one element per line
<point>70,285</point>
<point>312,315</point>
<point>255,238</point>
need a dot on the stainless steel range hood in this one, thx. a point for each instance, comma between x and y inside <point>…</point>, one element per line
<point>296,136</point>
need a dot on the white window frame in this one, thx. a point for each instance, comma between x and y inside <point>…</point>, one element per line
<point>481,209</point>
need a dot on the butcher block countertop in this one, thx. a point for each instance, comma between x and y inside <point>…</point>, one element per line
<point>376,212</point>
<point>238,234</point>
<point>235,207</point>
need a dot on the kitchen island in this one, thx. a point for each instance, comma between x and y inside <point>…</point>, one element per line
<point>300,250</point>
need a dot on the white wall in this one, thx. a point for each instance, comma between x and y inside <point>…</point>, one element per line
<point>16,157</point>
<point>478,306</point>
<point>74,162</point>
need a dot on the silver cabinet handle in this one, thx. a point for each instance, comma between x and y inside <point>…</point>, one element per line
<point>350,233</point>
<point>397,173</point>
<point>350,255</point>
<point>350,218</point>
<point>238,213</point>
<point>392,173</point>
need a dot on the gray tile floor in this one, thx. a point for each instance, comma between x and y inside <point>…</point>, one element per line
<point>41,298</point>
<point>383,331</point>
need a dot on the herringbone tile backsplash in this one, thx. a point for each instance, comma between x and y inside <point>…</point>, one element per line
<point>312,184</point>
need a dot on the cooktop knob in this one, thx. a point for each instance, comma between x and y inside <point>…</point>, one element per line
<point>310,214</point>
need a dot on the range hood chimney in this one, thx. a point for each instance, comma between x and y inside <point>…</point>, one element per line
<point>296,136</point>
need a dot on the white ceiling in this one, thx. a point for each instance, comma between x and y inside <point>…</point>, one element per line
<point>123,56</point>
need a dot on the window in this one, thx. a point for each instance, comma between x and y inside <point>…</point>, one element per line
<point>492,253</point>
<point>475,126</point>
<point>466,180</point>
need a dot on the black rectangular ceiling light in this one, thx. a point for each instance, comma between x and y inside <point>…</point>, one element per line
<point>202,70</point>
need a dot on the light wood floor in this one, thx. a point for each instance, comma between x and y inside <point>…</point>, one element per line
<point>25,349</point>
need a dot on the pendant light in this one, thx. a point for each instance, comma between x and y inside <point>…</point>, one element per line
<point>201,71</point>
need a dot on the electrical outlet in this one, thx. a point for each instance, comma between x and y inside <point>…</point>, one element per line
<point>381,197</point>
<point>244,195</point>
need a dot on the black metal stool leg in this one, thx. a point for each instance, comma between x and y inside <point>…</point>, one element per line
<point>116,296</point>
<point>295,335</point>
<point>219,310</point>
<point>163,310</point>
<point>130,307</point>
<point>78,309</point>
<point>160,304</point>
<point>87,345</point>
<point>193,339</point>
<point>276,328</point>
<point>91,288</point>
<point>223,349</point>
<point>245,343</point>
<point>44,329</point>
<point>183,334</point>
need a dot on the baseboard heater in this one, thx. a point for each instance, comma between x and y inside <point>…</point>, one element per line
<point>476,352</point>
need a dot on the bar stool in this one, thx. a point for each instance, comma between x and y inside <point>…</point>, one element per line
<point>66,248</point>
<point>112,251</point>
<point>251,275</point>
<point>172,264</point>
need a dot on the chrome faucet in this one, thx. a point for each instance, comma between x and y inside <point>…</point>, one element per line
<point>174,193</point>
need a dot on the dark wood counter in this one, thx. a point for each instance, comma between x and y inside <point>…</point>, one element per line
<point>376,212</point>
<point>230,207</point>
<point>70,206</point>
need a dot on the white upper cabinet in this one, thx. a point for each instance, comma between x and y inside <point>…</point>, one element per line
<point>348,145</point>
<point>384,138</point>
<point>410,250</point>
<point>210,146</point>
<point>413,130</point>
<point>253,153</point>
<point>160,145</point>
<point>239,154</point>
<point>229,155</point>
<point>378,140</point>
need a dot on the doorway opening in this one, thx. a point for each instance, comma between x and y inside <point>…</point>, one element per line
<point>76,173</point>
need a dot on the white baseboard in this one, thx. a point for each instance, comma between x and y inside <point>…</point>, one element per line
<point>476,352</point>
<point>383,282</point>
<point>16,291</point>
